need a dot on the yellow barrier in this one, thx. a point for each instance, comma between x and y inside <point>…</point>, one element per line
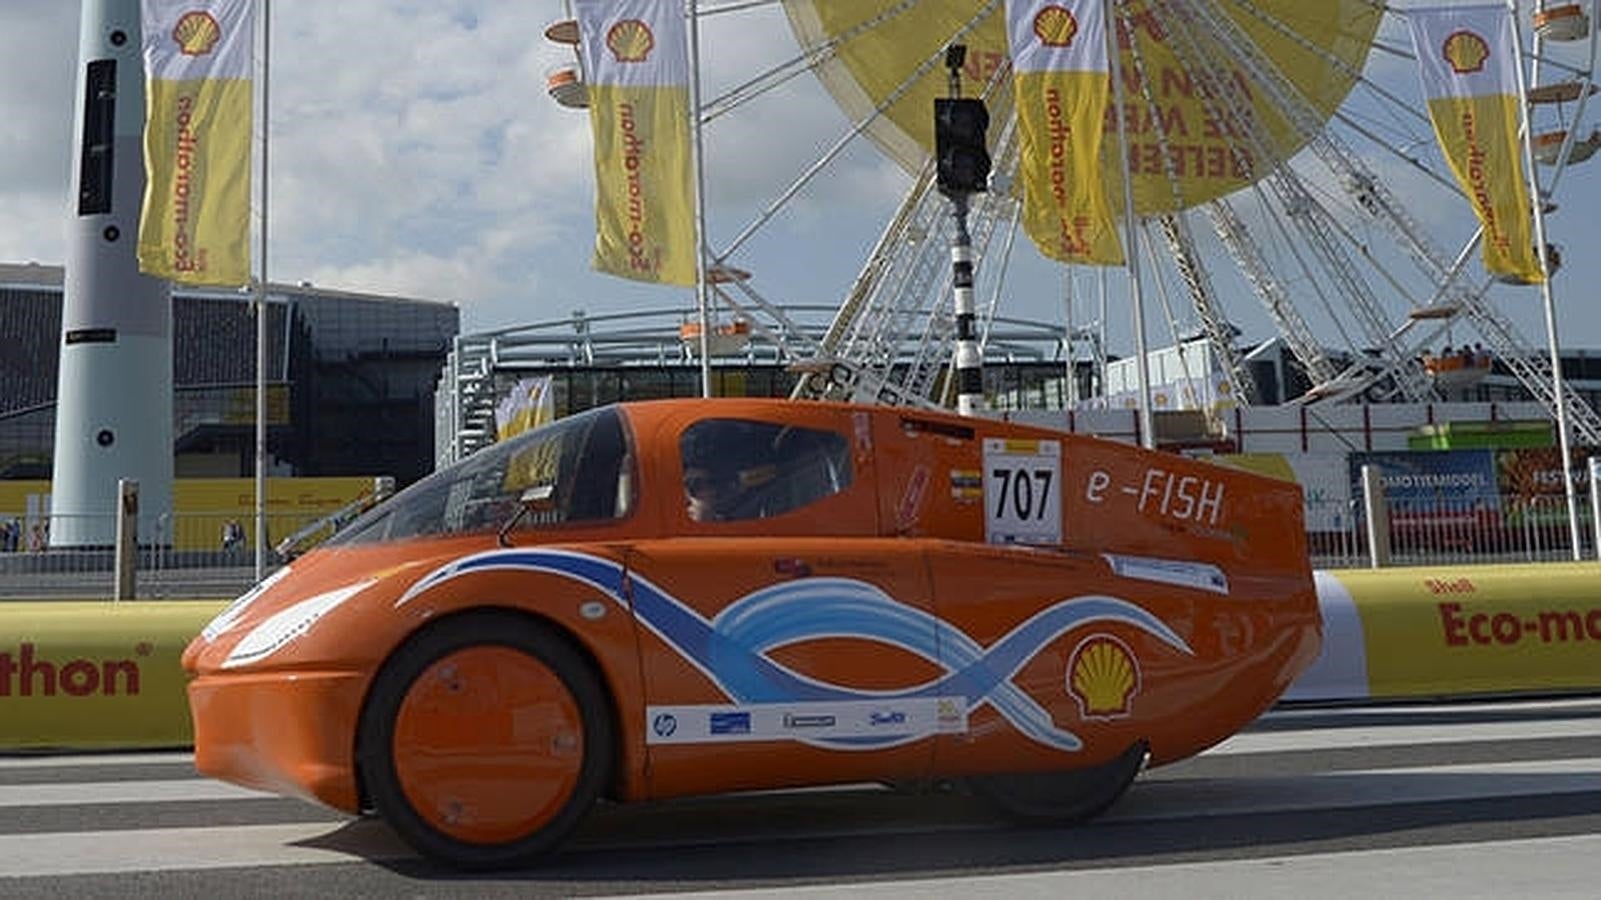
<point>85,675</point>
<point>1457,630</point>
<point>96,675</point>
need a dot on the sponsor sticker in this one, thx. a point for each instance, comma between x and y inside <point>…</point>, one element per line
<point>855,724</point>
<point>1178,572</point>
<point>729,723</point>
<point>967,484</point>
<point>911,505</point>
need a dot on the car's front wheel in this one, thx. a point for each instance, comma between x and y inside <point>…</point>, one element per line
<point>485,740</point>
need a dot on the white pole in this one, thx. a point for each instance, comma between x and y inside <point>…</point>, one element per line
<point>1130,246</point>
<point>261,311</point>
<point>1100,345</point>
<point>702,300</point>
<point>1546,294</point>
<point>1595,501</point>
<point>1071,396</point>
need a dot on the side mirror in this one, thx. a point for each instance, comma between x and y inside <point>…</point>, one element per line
<point>537,499</point>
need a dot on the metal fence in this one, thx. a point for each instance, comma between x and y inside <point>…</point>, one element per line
<point>1486,529</point>
<point>191,555</point>
<point>186,555</point>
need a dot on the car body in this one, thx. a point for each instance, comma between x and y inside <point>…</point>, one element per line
<point>886,595</point>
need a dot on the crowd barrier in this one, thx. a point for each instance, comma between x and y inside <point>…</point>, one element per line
<point>99,675</point>
<point>81,675</point>
<point>1450,631</point>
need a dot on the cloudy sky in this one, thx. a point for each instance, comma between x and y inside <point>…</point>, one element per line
<point>415,152</point>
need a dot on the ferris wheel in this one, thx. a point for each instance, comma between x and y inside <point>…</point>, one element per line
<point>1279,155</point>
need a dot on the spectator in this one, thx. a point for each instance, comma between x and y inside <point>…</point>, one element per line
<point>233,535</point>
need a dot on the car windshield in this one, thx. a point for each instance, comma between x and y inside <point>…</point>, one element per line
<point>581,463</point>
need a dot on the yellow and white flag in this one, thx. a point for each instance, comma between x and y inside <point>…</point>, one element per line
<point>530,404</point>
<point>636,62</point>
<point>195,224</point>
<point>1063,87</point>
<point>1468,63</point>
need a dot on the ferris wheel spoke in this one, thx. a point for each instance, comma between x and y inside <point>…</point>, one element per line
<point>814,56</point>
<point>850,135</point>
<point>1270,290</point>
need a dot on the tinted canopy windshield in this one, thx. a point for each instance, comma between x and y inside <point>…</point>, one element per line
<point>582,464</point>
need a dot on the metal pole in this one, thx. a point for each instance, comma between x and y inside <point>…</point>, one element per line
<point>1540,249</point>
<point>1595,501</point>
<point>702,299</point>
<point>1131,254</point>
<point>1377,514</point>
<point>261,310</point>
<point>1103,387</point>
<point>1071,397</point>
<point>969,361</point>
<point>127,552</point>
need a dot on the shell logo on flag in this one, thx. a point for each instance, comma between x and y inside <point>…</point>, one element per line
<point>630,41</point>
<point>1056,26</point>
<point>196,33</point>
<point>1466,52</point>
<point>1103,677</point>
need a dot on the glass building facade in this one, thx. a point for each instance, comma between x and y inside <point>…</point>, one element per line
<point>350,379</point>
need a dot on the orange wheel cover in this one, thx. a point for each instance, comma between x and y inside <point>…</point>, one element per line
<point>488,744</point>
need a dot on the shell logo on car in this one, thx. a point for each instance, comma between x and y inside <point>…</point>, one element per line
<point>1104,677</point>
<point>674,598</point>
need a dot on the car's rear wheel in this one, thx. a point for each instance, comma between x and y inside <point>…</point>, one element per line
<point>485,740</point>
<point>1062,797</point>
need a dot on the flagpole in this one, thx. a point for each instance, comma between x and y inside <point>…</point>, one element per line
<point>1130,252</point>
<point>1546,295</point>
<point>702,301</point>
<point>261,309</point>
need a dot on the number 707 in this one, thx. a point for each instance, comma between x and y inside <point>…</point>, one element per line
<point>1024,491</point>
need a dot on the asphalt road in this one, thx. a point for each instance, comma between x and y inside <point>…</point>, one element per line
<point>1462,801</point>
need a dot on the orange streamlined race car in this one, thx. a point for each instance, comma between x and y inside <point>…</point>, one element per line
<point>686,597</point>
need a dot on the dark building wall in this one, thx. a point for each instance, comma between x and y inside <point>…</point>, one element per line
<point>359,371</point>
<point>30,335</point>
<point>365,404</point>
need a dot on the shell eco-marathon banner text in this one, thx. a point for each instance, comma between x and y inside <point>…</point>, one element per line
<point>1443,631</point>
<point>636,60</point>
<point>1468,62</point>
<point>195,224</point>
<point>1063,88</point>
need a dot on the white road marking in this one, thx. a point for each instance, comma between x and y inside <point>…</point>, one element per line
<point>169,849</point>
<point>1404,735</point>
<point>50,761</point>
<point>85,793</point>
<point>1491,870</point>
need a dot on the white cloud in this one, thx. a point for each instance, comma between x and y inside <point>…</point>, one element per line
<point>415,151</point>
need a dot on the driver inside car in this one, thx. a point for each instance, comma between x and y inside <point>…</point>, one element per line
<point>708,493</point>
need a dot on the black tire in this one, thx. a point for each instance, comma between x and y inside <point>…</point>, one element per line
<point>375,742</point>
<point>1062,798</point>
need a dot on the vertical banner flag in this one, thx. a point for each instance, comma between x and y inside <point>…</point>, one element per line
<point>636,60</point>
<point>1468,63</point>
<point>1063,87</point>
<point>531,403</point>
<point>195,224</point>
